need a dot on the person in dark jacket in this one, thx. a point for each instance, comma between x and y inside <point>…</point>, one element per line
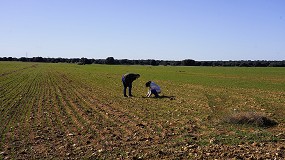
<point>127,80</point>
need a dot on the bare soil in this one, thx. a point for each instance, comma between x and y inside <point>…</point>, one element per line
<point>54,117</point>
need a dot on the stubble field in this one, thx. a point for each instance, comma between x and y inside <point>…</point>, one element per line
<point>69,111</point>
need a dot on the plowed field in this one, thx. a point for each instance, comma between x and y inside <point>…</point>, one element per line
<point>68,111</point>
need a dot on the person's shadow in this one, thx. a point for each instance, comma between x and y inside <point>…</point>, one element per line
<point>163,96</point>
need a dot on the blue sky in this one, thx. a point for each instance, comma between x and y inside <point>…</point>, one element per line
<point>144,29</point>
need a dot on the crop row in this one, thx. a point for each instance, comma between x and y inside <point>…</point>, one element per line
<point>69,111</point>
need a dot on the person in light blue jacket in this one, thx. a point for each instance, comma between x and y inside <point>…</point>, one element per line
<point>153,89</point>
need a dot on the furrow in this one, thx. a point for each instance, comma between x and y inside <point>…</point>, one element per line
<point>54,127</point>
<point>13,106</point>
<point>128,126</point>
<point>19,119</point>
<point>14,92</point>
<point>82,107</point>
<point>76,107</point>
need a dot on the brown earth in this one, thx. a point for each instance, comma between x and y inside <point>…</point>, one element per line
<point>53,117</point>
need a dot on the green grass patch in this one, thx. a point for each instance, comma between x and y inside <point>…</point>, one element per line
<point>202,97</point>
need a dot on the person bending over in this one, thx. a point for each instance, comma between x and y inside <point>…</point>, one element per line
<point>153,89</point>
<point>127,80</point>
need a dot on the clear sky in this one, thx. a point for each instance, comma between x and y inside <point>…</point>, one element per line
<point>144,29</point>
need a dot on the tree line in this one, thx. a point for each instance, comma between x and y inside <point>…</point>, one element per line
<point>186,62</point>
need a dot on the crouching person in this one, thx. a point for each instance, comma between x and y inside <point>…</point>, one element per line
<point>153,89</point>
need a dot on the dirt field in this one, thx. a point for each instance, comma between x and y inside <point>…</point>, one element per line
<point>47,113</point>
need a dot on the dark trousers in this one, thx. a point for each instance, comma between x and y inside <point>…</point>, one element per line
<point>153,91</point>
<point>126,85</point>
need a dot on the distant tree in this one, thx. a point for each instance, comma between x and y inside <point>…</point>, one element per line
<point>244,64</point>
<point>110,60</point>
<point>218,63</point>
<point>92,60</point>
<point>9,59</point>
<point>153,62</point>
<point>75,60</point>
<point>59,59</point>
<point>23,59</point>
<point>38,59</point>
<point>124,61</point>
<point>99,61</point>
<point>136,62</point>
<point>188,62</point>
<point>82,61</point>
<point>164,63</point>
<point>175,63</point>
<point>277,64</point>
